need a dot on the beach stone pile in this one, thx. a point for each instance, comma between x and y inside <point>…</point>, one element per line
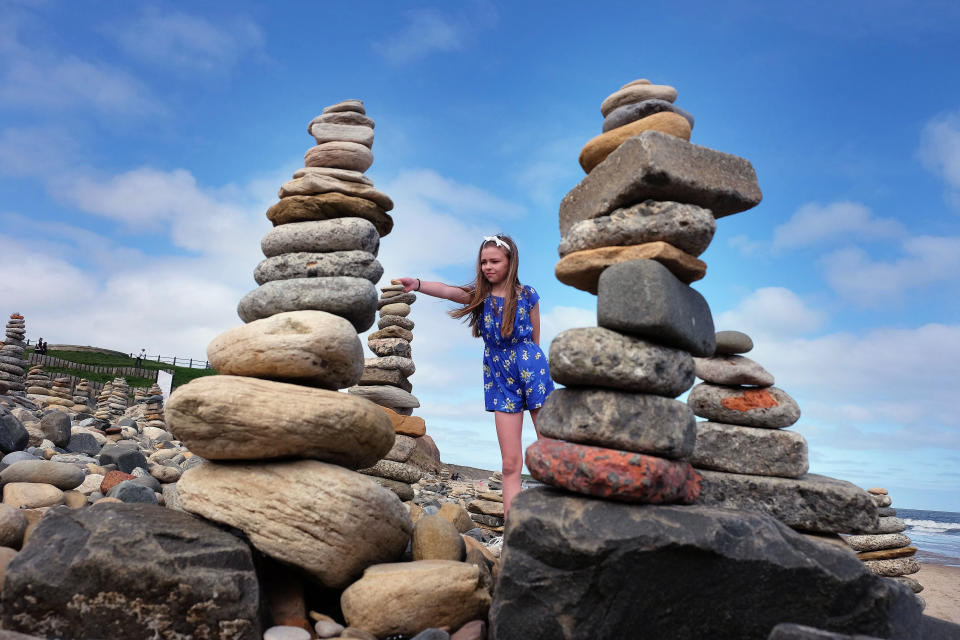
<point>82,395</point>
<point>888,550</point>
<point>38,383</point>
<point>112,402</point>
<point>747,457</point>
<point>12,364</point>
<point>60,393</point>
<point>615,444</point>
<point>153,409</point>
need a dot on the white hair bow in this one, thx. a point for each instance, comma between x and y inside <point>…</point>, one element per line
<point>500,243</point>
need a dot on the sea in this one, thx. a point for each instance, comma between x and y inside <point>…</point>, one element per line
<point>935,534</point>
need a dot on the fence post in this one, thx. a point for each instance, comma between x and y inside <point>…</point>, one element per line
<point>174,360</point>
<point>191,363</point>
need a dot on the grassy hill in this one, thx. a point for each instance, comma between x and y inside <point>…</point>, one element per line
<point>181,375</point>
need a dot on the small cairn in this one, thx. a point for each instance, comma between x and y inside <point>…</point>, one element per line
<point>60,393</point>
<point>39,383</point>
<point>153,409</point>
<point>12,365</point>
<point>385,381</point>
<point>112,402</point>
<point>748,458</point>
<point>139,395</point>
<point>275,417</point>
<point>82,396</point>
<point>616,445</point>
<point>888,551</point>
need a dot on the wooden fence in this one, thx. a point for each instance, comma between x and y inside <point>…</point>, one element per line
<point>53,361</point>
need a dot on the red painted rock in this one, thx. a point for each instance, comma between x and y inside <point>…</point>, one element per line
<point>615,475</point>
<point>112,479</point>
<point>769,408</point>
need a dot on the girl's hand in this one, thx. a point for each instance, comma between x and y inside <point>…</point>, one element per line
<point>409,284</point>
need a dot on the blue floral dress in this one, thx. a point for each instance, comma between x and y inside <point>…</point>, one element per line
<point>515,371</point>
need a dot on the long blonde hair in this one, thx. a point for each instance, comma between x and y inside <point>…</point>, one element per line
<point>481,288</point>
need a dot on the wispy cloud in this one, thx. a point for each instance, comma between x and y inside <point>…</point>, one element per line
<point>187,41</point>
<point>429,31</point>
<point>814,224</point>
<point>940,151</point>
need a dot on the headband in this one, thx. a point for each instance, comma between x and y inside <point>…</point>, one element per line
<point>500,243</point>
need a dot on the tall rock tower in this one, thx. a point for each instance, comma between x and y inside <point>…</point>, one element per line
<point>619,544</point>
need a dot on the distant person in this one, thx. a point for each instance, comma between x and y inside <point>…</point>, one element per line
<point>41,347</point>
<point>506,315</point>
<point>141,356</point>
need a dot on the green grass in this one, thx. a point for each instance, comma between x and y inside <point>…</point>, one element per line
<point>181,375</point>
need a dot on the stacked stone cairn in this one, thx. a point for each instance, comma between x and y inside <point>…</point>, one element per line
<point>139,395</point>
<point>60,393</point>
<point>12,369</point>
<point>888,550</point>
<point>112,402</point>
<point>153,408</point>
<point>603,552</point>
<point>385,381</point>
<point>82,394</point>
<point>281,444</point>
<point>38,382</point>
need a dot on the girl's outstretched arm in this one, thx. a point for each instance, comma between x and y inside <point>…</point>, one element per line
<point>435,289</point>
<point>535,321</point>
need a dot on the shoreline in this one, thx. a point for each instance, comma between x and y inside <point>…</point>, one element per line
<point>941,589</point>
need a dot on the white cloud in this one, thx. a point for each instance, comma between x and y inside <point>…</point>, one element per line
<point>771,311</point>
<point>187,41</point>
<point>429,31</point>
<point>940,150</point>
<point>814,223</point>
<point>559,319</point>
<point>872,283</point>
<point>34,151</point>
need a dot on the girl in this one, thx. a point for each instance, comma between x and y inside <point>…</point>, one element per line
<point>506,315</point>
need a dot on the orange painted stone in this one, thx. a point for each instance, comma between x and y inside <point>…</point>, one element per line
<point>611,474</point>
<point>750,399</point>
<point>413,426</point>
<point>112,479</point>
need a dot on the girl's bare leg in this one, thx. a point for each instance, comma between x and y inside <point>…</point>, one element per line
<point>533,416</point>
<point>509,427</point>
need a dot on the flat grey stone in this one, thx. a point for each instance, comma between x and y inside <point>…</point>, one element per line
<point>349,175</point>
<point>576,567</point>
<point>352,298</point>
<point>887,511</point>
<point>59,474</point>
<point>405,298</point>
<point>392,377</point>
<point>12,369</point>
<point>911,583</point>
<point>386,396</point>
<point>393,470</point>
<point>642,298</point>
<point>56,427</point>
<point>893,566</point>
<point>132,491</point>
<point>889,524</point>
<point>732,370</point>
<point>762,452</point>
<point>354,264</point>
<point>343,117</point>
<point>395,321</point>
<point>598,357</point>
<point>342,155</point>
<point>320,236</point>
<point>345,105</point>
<point>384,347</point>
<point>318,184</point>
<point>619,420</point>
<point>877,542</point>
<point>402,490</point>
<point>883,500</point>
<point>632,112</point>
<point>770,407</point>
<point>403,365</point>
<point>733,342</point>
<point>659,166</point>
<point>808,503</point>
<point>403,448</point>
<point>685,226</point>
<point>331,132</point>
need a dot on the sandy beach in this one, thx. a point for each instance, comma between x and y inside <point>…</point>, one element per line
<point>941,590</point>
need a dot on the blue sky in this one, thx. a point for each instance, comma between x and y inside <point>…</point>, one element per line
<point>141,144</point>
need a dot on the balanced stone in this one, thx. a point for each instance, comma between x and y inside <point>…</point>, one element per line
<point>338,234</point>
<point>403,298</point>
<point>404,598</point>
<point>392,331</point>
<point>575,567</point>
<point>312,347</point>
<point>351,156</point>
<point>685,226</point>
<point>339,174</point>
<point>890,525</point>
<point>632,93</point>
<point>403,448</point>
<point>635,111</point>
<point>598,357</point>
<point>331,132</point>
<point>911,583</point>
<point>310,185</point>
<point>733,342</point>
<point>611,474</point>
<point>355,264</point>
<point>764,452</point>
<point>619,420</point>
<point>329,206</point>
<point>322,518</point>
<point>643,298</point>
<point>413,426</point>
<point>384,347</point>
<point>352,298</point>
<point>582,269</point>
<point>238,418</point>
<point>808,503</point>
<point>658,166</point>
<point>877,542</point>
<point>404,365</point>
<point>343,117</point>
<point>733,370</point>
<point>386,396</point>
<point>394,321</point>
<point>770,408</point>
<point>401,309</point>
<point>346,105</point>
<point>597,149</point>
<point>392,470</point>
<point>392,377</point>
<point>887,554</point>
<point>878,491</point>
<point>893,567</point>
<point>882,500</point>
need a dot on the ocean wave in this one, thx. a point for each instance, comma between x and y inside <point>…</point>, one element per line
<point>932,526</point>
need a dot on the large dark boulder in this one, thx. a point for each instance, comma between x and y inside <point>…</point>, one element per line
<point>13,435</point>
<point>55,426</point>
<point>576,567</point>
<point>131,571</point>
